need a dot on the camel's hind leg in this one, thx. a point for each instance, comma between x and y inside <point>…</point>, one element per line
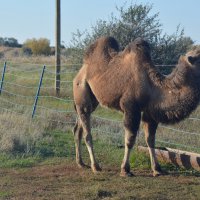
<point>84,116</point>
<point>78,132</point>
<point>85,104</point>
<point>150,127</point>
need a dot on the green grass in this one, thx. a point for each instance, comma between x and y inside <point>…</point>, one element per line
<point>20,161</point>
<point>4,194</point>
<point>57,145</point>
<point>51,173</point>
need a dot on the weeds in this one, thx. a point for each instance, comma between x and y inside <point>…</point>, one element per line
<point>18,133</point>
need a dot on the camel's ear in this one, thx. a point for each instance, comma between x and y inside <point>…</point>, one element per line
<point>191,59</point>
<point>127,49</point>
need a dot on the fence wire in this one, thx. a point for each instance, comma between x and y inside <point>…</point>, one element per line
<point>20,86</point>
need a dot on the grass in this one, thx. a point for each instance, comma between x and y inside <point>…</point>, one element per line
<point>56,176</point>
<point>65,181</point>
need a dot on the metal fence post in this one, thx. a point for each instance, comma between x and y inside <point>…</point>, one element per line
<point>2,77</point>
<point>38,92</point>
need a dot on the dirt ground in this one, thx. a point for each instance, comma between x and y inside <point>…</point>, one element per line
<point>67,181</point>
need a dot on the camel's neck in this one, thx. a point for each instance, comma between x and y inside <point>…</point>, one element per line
<point>177,95</point>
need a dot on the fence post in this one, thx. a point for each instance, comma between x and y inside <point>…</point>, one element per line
<point>2,77</point>
<point>57,47</point>
<point>38,92</point>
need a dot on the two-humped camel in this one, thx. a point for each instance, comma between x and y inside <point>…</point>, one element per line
<point>129,82</point>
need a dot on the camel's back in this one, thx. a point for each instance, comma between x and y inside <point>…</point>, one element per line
<point>99,54</point>
<point>102,48</point>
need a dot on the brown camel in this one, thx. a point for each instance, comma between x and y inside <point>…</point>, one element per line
<point>129,82</point>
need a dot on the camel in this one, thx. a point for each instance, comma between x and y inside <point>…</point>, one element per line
<point>129,82</point>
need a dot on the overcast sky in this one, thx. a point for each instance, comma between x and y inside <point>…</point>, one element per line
<point>25,19</point>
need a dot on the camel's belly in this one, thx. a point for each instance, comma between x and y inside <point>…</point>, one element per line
<point>107,96</point>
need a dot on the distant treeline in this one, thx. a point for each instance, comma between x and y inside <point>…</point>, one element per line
<point>9,42</point>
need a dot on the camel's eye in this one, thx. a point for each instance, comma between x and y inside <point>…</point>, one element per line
<point>192,60</point>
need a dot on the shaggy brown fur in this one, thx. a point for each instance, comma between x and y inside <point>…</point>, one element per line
<point>129,82</point>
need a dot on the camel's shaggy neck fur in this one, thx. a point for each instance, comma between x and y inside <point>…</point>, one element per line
<point>179,93</point>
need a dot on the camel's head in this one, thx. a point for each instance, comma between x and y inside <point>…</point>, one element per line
<point>191,60</point>
<point>141,48</point>
<point>194,58</point>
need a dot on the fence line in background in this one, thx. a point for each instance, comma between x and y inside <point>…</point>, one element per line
<point>181,131</point>
<point>14,103</point>
<point>29,87</point>
<point>67,101</point>
<point>41,64</point>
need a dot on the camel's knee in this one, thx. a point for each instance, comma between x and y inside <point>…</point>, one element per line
<point>132,125</point>
<point>75,129</point>
<point>78,131</point>
<point>88,138</point>
<point>150,140</point>
<point>150,132</point>
<point>130,139</point>
<point>131,130</point>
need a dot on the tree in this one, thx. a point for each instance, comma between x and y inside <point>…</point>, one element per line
<point>137,21</point>
<point>37,46</point>
<point>9,42</point>
<point>169,47</point>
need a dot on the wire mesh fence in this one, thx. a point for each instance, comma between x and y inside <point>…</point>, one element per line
<point>18,96</point>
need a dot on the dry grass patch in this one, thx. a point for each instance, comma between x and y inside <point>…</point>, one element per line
<point>18,133</point>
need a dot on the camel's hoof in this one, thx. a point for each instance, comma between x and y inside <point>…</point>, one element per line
<point>96,168</point>
<point>159,173</point>
<point>82,165</point>
<point>126,174</point>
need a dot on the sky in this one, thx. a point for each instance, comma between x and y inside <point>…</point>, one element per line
<point>26,19</point>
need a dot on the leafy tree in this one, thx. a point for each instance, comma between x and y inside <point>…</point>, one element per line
<point>9,42</point>
<point>37,46</point>
<point>1,41</point>
<point>137,21</point>
<point>170,47</point>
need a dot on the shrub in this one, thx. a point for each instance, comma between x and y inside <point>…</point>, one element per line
<point>1,55</point>
<point>26,51</point>
<point>18,133</point>
<point>135,20</point>
<point>38,47</point>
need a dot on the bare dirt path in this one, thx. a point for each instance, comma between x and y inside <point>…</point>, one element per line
<point>66,181</point>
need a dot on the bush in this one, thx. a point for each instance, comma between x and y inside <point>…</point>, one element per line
<point>1,55</point>
<point>37,47</point>
<point>26,51</point>
<point>9,42</point>
<point>18,133</point>
<point>136,20</point>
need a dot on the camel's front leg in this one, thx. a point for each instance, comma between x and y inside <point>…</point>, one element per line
<point>150,127</point>
<point>131,124</point>
<point>129,142</point>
